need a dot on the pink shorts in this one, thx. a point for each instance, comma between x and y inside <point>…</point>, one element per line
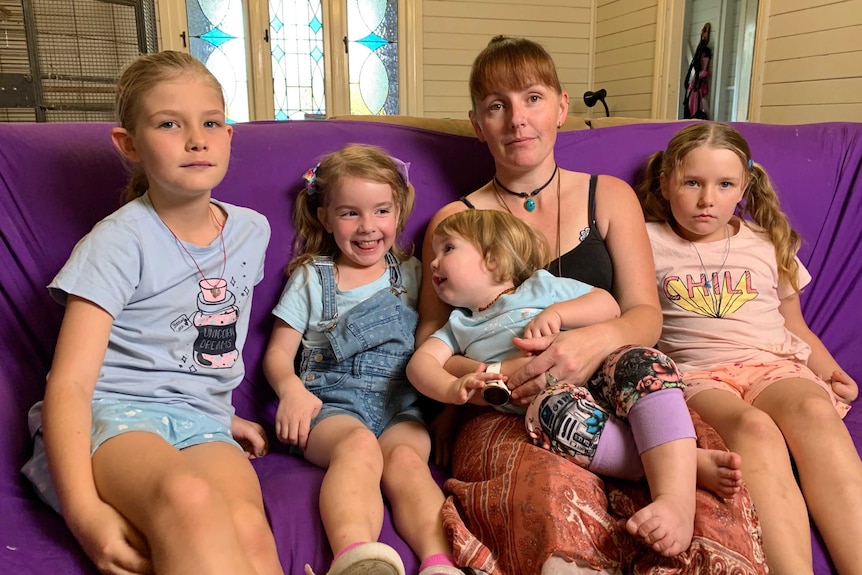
<point>748,380</point>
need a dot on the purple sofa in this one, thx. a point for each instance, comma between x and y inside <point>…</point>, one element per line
<point>57,180</point>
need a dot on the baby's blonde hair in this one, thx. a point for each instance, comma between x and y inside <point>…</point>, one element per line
<point>353,160</point>
<point>759,201</point>
<point>512,248</point>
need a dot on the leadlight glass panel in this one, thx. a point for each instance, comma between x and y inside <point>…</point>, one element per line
<point>296,30</point>
<point>372,34</point>
<point>217,38</point>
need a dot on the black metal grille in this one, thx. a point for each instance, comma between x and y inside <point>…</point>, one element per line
<point>75,51</point>
<point>16,83</point>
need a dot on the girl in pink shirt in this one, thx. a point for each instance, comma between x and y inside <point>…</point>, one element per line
<point>729,283</point>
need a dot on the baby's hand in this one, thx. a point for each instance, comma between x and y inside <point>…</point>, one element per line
<point>546,323</point>
<point>464,388</point>
<point>844,386</point>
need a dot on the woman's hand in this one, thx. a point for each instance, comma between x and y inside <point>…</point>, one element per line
<point>844,386</point>
<point>111,542</point>
<point>293,418</point>
<point>250,435</point>
<point>569,357</point>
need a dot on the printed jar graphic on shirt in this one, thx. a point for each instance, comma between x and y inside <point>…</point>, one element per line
<point>215,320</point>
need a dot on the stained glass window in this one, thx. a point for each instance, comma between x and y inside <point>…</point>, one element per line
<point>217,38</point>
<point>296,32</point>
<point>372,40</point>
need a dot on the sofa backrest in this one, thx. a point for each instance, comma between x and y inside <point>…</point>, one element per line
<point>57,180</point>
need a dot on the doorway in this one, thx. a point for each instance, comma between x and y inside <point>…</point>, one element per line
<point>730,26</point>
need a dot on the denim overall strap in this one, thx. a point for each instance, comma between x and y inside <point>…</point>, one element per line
<point>381,320</point>
<point>325,268</point>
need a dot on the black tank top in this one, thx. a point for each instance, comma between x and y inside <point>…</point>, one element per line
<point>589,261</point>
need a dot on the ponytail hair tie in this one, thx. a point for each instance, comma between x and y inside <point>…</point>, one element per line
<point>403,169</point>
<point>310,178</point>
<point>750,163</point>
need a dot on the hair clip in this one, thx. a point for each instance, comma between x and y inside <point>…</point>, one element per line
<point>402,168</point>
<point>750,163</point>
<point>310,178</point>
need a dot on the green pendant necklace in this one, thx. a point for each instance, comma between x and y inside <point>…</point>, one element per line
<point>529,202</point>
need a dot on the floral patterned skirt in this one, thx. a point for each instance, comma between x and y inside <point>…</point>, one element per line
<point>512,505</point>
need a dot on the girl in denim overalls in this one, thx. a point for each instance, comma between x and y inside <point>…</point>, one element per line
<point>349,305</point>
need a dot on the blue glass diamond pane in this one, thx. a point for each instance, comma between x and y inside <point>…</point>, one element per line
<point>315,25</point>
<point>373,41</point>
<point>372,32</point>
<point>216,37</point>
<point>276,24</point>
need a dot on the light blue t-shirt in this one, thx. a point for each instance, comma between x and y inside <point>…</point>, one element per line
<point>486,336</point>
<point>176,339</point>
<point>301,301</point>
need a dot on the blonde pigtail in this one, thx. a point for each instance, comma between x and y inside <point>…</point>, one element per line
<point>137,186</point>
<point>311,237</point>
<point>762,205</point>
<point>655,207</point>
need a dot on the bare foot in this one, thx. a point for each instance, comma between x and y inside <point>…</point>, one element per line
<point>719,472</point>
<point>666,524</point>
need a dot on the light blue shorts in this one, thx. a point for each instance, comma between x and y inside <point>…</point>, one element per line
<point>176,424</point>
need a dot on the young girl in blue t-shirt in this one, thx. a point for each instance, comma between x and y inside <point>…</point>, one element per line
<point>136,440</point>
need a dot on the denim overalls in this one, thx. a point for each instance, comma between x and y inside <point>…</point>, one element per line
<point>362,373</point>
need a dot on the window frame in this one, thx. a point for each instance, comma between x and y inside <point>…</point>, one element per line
<point>174,36</point>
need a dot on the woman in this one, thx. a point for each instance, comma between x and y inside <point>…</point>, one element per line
<point>517,508</point>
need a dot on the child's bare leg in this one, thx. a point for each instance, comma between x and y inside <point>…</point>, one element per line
<point>184,518</point>
<point>830,471</point>
<point>416,498</point>
<point>768,476</point>
<point>351,504</point>
<point>719,472</point>
<point>231,473</point>
<point>667,524</point>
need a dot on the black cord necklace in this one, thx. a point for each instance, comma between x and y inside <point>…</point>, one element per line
<point>529,202</point>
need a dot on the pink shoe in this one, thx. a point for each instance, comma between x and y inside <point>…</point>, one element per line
<point>366,559</point>
<point>441,570</point>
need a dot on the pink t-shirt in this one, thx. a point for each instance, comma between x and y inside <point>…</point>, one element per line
<point>736,318</point>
